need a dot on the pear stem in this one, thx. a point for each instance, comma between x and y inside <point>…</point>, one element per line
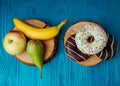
<point>62,23</point>
<point>40,73</point>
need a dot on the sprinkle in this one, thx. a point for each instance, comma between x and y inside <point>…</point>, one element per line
<point>94,47</point>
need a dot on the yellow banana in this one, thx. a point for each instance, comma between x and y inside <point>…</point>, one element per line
<point>38,33</point>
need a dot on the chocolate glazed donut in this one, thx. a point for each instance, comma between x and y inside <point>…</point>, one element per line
<point>72,51</point>
<point>110,50</point>
<point>107,53</point>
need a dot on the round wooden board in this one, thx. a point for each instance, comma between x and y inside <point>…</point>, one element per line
<point>50,45</point>
<point>92,60</point>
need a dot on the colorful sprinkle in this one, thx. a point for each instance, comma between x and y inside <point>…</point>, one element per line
<point>100,39</point>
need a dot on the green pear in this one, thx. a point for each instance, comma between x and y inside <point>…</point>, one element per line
<point>35,49</point>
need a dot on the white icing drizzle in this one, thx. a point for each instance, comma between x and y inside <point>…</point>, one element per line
<point>75,53</point>
<point>106,55</point>
<point>72,38</point>
<point>112,47</point>
<point>101,54</point>
<point>71,43</point>
<point>71,57</point>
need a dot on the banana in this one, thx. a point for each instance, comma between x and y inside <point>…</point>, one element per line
<point>38,33</point>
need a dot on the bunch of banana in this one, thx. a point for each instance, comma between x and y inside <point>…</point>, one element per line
<point>38,33</point>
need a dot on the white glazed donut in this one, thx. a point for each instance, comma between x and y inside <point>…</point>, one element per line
<point>85,33</point>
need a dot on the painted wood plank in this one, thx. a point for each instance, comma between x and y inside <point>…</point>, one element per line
<point>60,71</point>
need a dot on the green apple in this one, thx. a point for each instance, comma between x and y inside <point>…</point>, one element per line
<point>14,42</point>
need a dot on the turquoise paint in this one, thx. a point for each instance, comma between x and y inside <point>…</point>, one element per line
<point>60,71</point>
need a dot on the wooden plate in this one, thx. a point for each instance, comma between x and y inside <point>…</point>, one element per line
<point>92,60</point>
<point>50,45</point>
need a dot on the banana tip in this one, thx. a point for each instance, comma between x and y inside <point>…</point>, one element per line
<point>65,21</point>
<point>15,19</point>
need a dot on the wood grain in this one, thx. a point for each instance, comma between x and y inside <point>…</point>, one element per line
<point>50,45</point>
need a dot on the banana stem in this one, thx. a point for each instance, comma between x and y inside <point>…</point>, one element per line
<point>62,23</point>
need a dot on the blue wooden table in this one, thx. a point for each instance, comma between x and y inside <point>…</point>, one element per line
<point>60,71</point>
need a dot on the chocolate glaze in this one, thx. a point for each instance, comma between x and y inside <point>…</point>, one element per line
<point>110,50</point>
<point>107,53</point>
<point>73,52</point>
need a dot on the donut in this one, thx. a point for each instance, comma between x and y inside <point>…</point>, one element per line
<point>72,50</point>
<point>76,55</point>
<point>91,39</point>
<point>110,50</point>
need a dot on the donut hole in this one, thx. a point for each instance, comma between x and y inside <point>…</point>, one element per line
<point>90,39</point>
